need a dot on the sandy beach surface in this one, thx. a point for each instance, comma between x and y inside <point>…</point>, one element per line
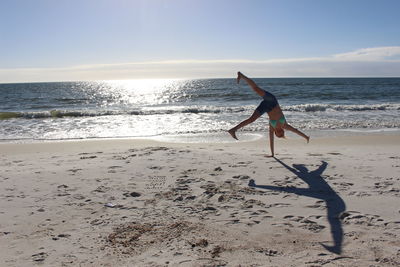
<point>332,202</point>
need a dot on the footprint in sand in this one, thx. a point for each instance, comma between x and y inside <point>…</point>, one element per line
<point>306,223</point>
<point>241,177</point>
<point>88,157</point>
<point>268,252</point>
<point>248,204</point>
<point>343,186</point>
<point>279,205</point>
<point>355,217</point>
<point>101,189</point>
<point>74,171</point>
<point>119,158</point>
<point>234,221</point>
<point>241,164</point>
<point>314,154</point>
<point>293,218</point>
<point>112,169</point>
<point>85,153</point>
<point>359,194</point>
<point>334,153</point>
<point>132,194</point>
<point>188,171</point>
<point>155,167</point>
<point>210,208</point>
<point>311,225</point>
<point>386,187</point>
<point>393,225</point>
<point>115,167</point>
<point>63,190</point>
<point>39,257</point>
<point>320,204</point>
<point>161,148</point>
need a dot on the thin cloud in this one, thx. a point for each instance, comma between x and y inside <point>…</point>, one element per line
<point>366,62</point>
<point>389,53</point>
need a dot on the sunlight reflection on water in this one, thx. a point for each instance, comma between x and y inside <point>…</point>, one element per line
<point>146,92</point>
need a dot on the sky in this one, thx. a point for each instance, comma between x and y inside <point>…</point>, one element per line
<point>70,40</point>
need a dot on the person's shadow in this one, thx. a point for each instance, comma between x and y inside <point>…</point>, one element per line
<point>319,189</point>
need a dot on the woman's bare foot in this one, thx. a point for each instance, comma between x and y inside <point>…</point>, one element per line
<point>308,139</point>
<point>238,77</point>
<point>232,132</point>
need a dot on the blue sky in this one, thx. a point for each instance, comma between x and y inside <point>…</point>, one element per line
<point>47,40</point>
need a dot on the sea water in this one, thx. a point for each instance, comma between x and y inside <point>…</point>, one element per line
<point>186,110</point>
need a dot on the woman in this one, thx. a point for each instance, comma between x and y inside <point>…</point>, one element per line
<point>277,121</point>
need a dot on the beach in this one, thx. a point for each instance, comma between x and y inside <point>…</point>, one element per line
<point>141,202</point>
<point>199,133</point>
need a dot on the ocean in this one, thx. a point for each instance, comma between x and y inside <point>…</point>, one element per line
<point>192,110</point>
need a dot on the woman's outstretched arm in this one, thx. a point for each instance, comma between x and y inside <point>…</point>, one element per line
<point>271,141</point>
<point>292,129</point>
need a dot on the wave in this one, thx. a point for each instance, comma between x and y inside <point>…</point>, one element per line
<point>51,114</point>
<point>95,113</point>
<point>192,110</point>
<point>327,107</point>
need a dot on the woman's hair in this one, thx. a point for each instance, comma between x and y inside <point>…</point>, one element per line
<point>280,133</point>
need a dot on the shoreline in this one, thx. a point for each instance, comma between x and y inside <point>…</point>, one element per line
<point>381,138</point>
<point>218,137</point>
<point>149,203</point>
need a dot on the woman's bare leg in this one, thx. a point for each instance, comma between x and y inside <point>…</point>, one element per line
<point>292,129</point>
<point>251,83</point>
<point>251,119</point>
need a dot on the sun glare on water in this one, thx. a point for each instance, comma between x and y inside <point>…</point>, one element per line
<point>146,91</point>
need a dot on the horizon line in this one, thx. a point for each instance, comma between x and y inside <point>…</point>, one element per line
<point>209,78</point>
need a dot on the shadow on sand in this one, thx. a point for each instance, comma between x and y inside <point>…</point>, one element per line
<point>319,189</point>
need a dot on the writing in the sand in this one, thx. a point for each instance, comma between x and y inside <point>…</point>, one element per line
<point>155,183</point>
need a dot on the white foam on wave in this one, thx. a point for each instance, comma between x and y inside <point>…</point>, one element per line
<point>333,107</point>
<point>196,109</point>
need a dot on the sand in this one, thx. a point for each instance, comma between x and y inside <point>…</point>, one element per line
<point>333,202</point>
